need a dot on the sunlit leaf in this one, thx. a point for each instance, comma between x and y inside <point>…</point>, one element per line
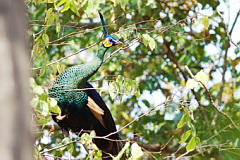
<point>66,6</point>
<point>69,147</point>
<point>112,90</point>
<point>42,108</point>
<point>185,136</point>
<point>184,119</point>
<point>191,144</point>
<point>86,139</point>
<point>136,151</point>
<point>146,39</point>
<point>38,90</point>
<point>74,7</point>
<point>202,76</point>
<point>48,14</point>
<point>205,22</point>
<point>182,122</point>
<point>152,44</point>
<point>32,82</point>
<point>54,107</point>
<point>191,83</point>
<point>61,2</point>
<point>123,3</point>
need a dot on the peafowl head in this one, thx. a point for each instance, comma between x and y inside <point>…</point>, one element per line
<point>109,40</point>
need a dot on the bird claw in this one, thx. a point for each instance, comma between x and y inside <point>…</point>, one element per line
<point>60,117</point>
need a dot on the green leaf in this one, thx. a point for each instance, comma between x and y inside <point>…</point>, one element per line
<point>92,7</point>
<point>119,81</point>
<point>74,7</point>
<point>53,106</point>
<point>184,120</point>
<point>137,93</point>
<point>146,39</point>
<point>92,134</point>
<point>86,139</point>
<point>98,155</point>
<point>205,22</point>
<point>66,6</point>
<point>127,86</point>
<point>139,4</point>
<point>185,136</point>
<point>193,129</point>
<point>43,121</point>
<point>136,151</point>
<point>43,97</point>
<point>197,140</point>
<point>49,1</point>
<point>61,2</point>
<point>152,44</point>
<point>50,19</point>
<point>113,89</point>
<point>58,27</point>
<point>191,144</point>
<point>48,14</point>
<point>123,3</point>
<point>34,102</point>
<point>43,70</point>
<point>120,154</point>
<point>58,24</point>
<point>38,90</point>
<point>69,147</point>
<point>42,108</point>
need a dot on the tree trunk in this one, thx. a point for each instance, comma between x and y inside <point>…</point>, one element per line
<point>16,140</point>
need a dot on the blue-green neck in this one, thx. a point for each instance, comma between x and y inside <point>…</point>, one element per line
<point>77,76</point>
<point>101,52</point>
<point>90,68</point>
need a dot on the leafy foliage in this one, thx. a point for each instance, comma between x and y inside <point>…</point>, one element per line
<point>143,83</point>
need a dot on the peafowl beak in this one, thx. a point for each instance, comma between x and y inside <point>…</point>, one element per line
<point>116,42</point>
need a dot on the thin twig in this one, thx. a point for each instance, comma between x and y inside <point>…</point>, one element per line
<point>66,56</point>
<point>224,64</point>
<point>178,158</point>
<point>229,33</point>
<point>211,99</point>
<point>59,147</point>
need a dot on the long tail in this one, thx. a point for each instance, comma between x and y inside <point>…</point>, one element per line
<point>103,24</point>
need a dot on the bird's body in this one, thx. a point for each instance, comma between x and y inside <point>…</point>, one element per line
<point>82,108</point>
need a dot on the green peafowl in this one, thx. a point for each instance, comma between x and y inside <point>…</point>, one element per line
<point>84,109</point>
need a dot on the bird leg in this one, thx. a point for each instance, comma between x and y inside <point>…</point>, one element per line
<point>65,133</point>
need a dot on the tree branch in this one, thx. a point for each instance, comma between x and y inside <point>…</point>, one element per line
<point>229,33</point>
<point>224,62</point>
<point>211,99</point>
<point>173,58</point>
